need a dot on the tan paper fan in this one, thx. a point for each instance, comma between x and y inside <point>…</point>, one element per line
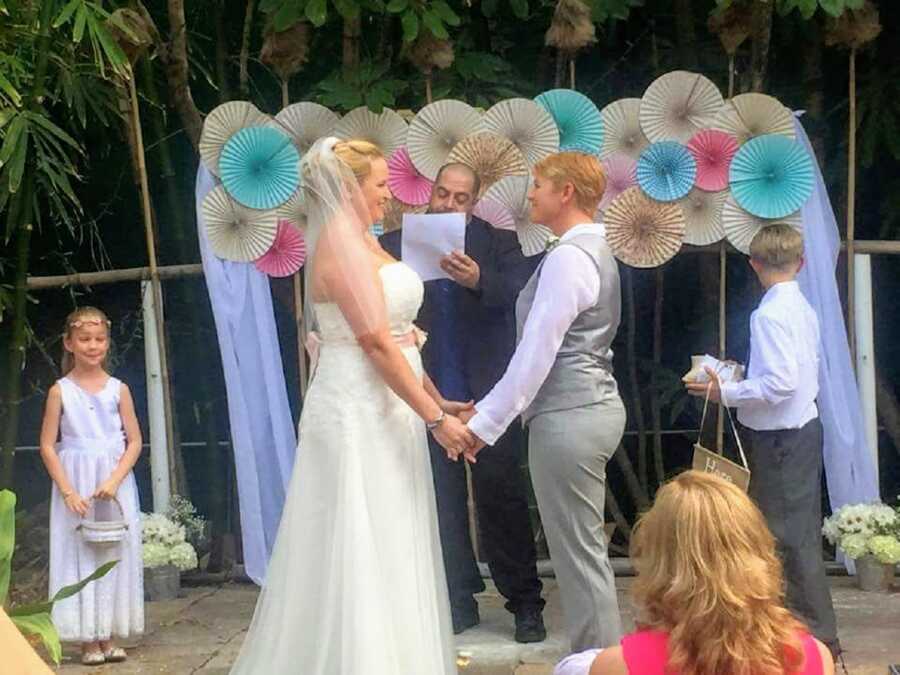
<point>703,216</point>
<point>294,209</point>
<point>223,122</point>
<point>393,213</point>
<point>641,231</point>
<point>306,122</point>
<point>236,232</point>
<point>527,124</point>
<point>512,193</point>
<point>677,105</point>
<point>622,128</point>
<point>491,156</point>
<point>387,130</point>
<point>741,226</point>
<point>747,116</point>
<point>435,130</point>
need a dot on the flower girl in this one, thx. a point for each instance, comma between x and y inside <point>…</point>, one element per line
<point>93,415</point>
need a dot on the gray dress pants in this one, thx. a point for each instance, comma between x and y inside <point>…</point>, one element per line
<point>567,453</point>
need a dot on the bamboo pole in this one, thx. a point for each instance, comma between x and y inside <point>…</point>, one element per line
<point>298,291</point>
<point>154,282</point>
<point>851,207</point>
<point>572,73</point>
<point>112,276</point>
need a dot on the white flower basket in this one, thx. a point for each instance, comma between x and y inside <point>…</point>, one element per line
<point>103,532</point>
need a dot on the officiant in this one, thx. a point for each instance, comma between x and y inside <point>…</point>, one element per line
<point>470,321</point>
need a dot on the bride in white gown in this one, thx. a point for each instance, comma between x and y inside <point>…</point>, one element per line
<point>356,583</point>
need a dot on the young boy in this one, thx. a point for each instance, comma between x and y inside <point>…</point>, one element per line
<point>776,406</point>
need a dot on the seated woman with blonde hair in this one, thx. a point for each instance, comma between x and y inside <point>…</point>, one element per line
<point>708,594</point>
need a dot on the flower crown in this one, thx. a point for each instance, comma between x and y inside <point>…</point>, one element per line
<point>78,323</point>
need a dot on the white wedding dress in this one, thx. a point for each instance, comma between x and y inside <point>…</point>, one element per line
<point>356,582</point>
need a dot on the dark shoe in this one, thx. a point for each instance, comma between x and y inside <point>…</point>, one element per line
<point>530,626</point>
<point>465,619</point>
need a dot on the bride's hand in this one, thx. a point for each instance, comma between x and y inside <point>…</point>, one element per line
<point>454,436</point>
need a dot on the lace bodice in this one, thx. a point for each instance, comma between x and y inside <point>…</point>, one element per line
<point>403,292</point>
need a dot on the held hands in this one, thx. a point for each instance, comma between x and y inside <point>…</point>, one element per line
<point>453,435</point>
<point>462,269</point>
<point>107,489</point>
<point>459,409</point>
<point>713,387</point>
<point>76,504</point>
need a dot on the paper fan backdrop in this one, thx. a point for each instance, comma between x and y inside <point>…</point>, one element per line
<point>621,174</point>
<point>712,151</point>
<point>677,105</point>
<point>306,122</point>
<point>491,156</point>
<point>393,214</point>
<point>643,232</point>
<point>703,216</point>
<point>235,232</point>
<point>512,193</point>
<point>221,124</point>
<point>260,167</point>
<point>740,226</point>
<point>436,129</point>
<point>771,176</point>
<point>287,254</point>
<point>577,118</point>
<point>294,210</point>
<point>527,124</point>
<point>747,116</point>
<point>666,171</point>
<point>405,181</point>
<point>495,214</point>
<point>387,130</point>
<point>622,131</point>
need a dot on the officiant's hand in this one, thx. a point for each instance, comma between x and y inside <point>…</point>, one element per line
<point>462,269</point>
<point>454,437</point>
<point>700,388</point>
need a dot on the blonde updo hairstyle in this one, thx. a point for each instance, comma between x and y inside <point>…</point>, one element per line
<point>709,576</point>
<point>358,156</point>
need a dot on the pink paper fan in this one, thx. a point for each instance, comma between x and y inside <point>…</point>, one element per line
<point>494,213</point>
<point>713,151</point>
<point>287,254</point>
<point>621,174</point>
<point>407,184</point>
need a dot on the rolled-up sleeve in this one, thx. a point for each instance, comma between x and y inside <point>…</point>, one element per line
<point>568,285</point>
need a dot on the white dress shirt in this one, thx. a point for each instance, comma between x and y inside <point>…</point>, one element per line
<point>568,285</point>
<point>783,377</point>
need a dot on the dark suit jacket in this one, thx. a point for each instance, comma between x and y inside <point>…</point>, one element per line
<point>484,325</point>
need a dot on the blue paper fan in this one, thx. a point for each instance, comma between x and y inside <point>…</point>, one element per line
<point>666,171</point>
<point>771,176</point>
<point>577,118</point>
<point>259,167</point>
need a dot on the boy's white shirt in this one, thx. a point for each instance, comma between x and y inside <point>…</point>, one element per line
<point>783,375</point>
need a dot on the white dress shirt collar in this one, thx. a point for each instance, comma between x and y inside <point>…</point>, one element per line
<point>583,228</point>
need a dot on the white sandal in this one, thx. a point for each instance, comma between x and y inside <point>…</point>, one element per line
<point>93,658</point>
<point>115,655</point>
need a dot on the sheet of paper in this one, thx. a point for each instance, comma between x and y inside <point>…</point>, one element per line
<point>428,237</point>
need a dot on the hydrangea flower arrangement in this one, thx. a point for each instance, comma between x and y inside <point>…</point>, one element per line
<point>866,529</point>
<point>164,543</point>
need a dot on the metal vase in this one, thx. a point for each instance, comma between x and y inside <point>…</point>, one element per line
<point>872,575</point>
<point>161,583</point>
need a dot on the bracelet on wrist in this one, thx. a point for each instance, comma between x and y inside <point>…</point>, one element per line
<point>436,423</point>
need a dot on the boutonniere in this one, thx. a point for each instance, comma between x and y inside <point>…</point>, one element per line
<point>552,242</point>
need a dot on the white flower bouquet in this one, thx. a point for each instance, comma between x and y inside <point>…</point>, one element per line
<point>164,543</point>
<point>866,529</point>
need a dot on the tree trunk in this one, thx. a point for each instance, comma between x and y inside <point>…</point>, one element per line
<point>222,52</point>
<point>813,77</point>
<point>686,34</point>
<point>350,62</point>
<point>759,51</point>
<point>245,50</point>
<point>21,215</point>
<point>178,73</point>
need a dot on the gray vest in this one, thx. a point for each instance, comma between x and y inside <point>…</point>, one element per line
<point>582,372</point>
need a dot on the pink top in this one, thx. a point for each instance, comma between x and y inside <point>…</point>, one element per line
<point>646,653</point>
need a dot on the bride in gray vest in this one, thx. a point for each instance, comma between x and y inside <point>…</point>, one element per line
<point>560,381</point>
